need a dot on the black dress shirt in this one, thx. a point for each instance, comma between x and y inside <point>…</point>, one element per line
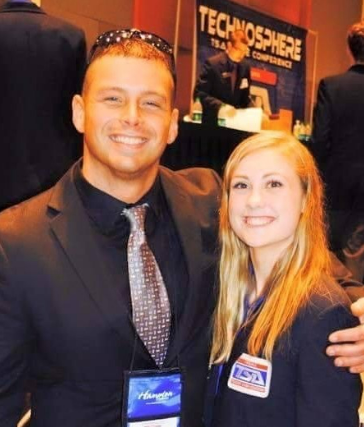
<point>112,231</point>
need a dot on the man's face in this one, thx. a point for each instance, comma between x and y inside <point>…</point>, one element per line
<point>127,119</point>
<point>237,51</point>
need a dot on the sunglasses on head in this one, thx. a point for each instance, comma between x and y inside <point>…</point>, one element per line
<point>118,36</point>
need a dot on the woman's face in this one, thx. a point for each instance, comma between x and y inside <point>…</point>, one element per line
<point>265,202</point>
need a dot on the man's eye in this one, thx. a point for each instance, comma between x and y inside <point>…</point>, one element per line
<point>152,104</point>
<point>112,99</point>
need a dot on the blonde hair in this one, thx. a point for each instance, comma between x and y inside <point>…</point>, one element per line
<point>302,270</point>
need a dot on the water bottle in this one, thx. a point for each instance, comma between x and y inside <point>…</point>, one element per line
<point>197,111</point>
<point>308,132</point>
<point>297,129</point>
<point>221,116</point>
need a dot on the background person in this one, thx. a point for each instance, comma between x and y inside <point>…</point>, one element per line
<point>278,301</point>
<point>42,61</point>
<point>225,79</point>
<point>338,146</point>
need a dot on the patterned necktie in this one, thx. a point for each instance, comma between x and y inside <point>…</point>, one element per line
<point>151,309</point>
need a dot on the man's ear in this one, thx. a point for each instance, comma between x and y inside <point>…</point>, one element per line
<point>78,113</point>
<point>173,127</point>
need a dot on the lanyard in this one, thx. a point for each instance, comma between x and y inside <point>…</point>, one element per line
<point>249,309</point>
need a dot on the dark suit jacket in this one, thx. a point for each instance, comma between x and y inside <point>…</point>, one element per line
<point>213,87</point>
<point>338,140</point>
<point>63,322</point>
<point>42,62</point>
<point>306,389</point>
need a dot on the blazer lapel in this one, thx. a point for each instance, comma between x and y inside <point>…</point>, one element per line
<point>225,76</point>
<point>72,228</point>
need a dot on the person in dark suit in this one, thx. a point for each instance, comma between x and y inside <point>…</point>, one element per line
<point>42,61</point>
<point>278,302</point>
<point>65,305</point>
<point>337,142</point>
<point>225,80</point>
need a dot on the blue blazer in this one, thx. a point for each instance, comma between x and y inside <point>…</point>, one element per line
<point>306,389</point>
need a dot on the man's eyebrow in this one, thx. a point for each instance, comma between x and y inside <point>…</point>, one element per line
<point>141,94</point>
<point>111,89</point>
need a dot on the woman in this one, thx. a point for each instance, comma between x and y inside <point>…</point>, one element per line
<point>278,302</point>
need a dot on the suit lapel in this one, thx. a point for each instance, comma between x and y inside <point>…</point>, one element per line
<point>185,217</point>
<point>226,81</point>
<point>72,228</point>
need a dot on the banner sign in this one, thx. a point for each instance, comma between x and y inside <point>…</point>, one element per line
<point>277,51</point>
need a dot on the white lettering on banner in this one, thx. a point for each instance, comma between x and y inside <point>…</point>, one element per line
<point>212,21</point>
<point>264,57</point>
<point>261,38</point>
<point>147,395</point>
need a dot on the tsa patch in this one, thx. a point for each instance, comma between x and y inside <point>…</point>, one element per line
<point>251,375</point>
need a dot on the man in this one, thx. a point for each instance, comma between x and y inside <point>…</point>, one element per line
<point>67,320</point>
<point>76,336</point>
<point>42,61</point>
<point>338,144</point>
<point>225,80</point>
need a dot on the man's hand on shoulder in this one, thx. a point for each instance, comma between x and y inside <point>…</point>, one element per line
<point>348,344</point>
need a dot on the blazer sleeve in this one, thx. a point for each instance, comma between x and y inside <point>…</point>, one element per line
<point>322,124</point>
<point>14,345</point>
<point>327,396</point>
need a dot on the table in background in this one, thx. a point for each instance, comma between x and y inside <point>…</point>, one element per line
<point>201,145</point>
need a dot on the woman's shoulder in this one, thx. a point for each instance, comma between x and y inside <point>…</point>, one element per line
<point>327,310</point>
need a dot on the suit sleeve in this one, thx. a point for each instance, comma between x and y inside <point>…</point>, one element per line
<point>14,345</point>
<point>327,396</point>
<point>203,88</point>
<point>344,277</point>
<point>322,124</point>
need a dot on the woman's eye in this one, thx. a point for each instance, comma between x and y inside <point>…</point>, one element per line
<point>239,185</point>
<point>274,184</point>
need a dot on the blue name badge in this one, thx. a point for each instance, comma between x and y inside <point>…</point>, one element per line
<point>152,398</point>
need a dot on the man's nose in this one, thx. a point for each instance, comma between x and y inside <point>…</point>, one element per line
<point>130,113</point>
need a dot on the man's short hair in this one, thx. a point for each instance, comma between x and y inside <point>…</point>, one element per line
<point>133,48</point>
<point>356,41</point>
<point>238,36</point>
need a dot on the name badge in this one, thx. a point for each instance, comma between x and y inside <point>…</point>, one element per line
<point>251,375</point>
<point>244,83</point>
<point>152,398</point>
